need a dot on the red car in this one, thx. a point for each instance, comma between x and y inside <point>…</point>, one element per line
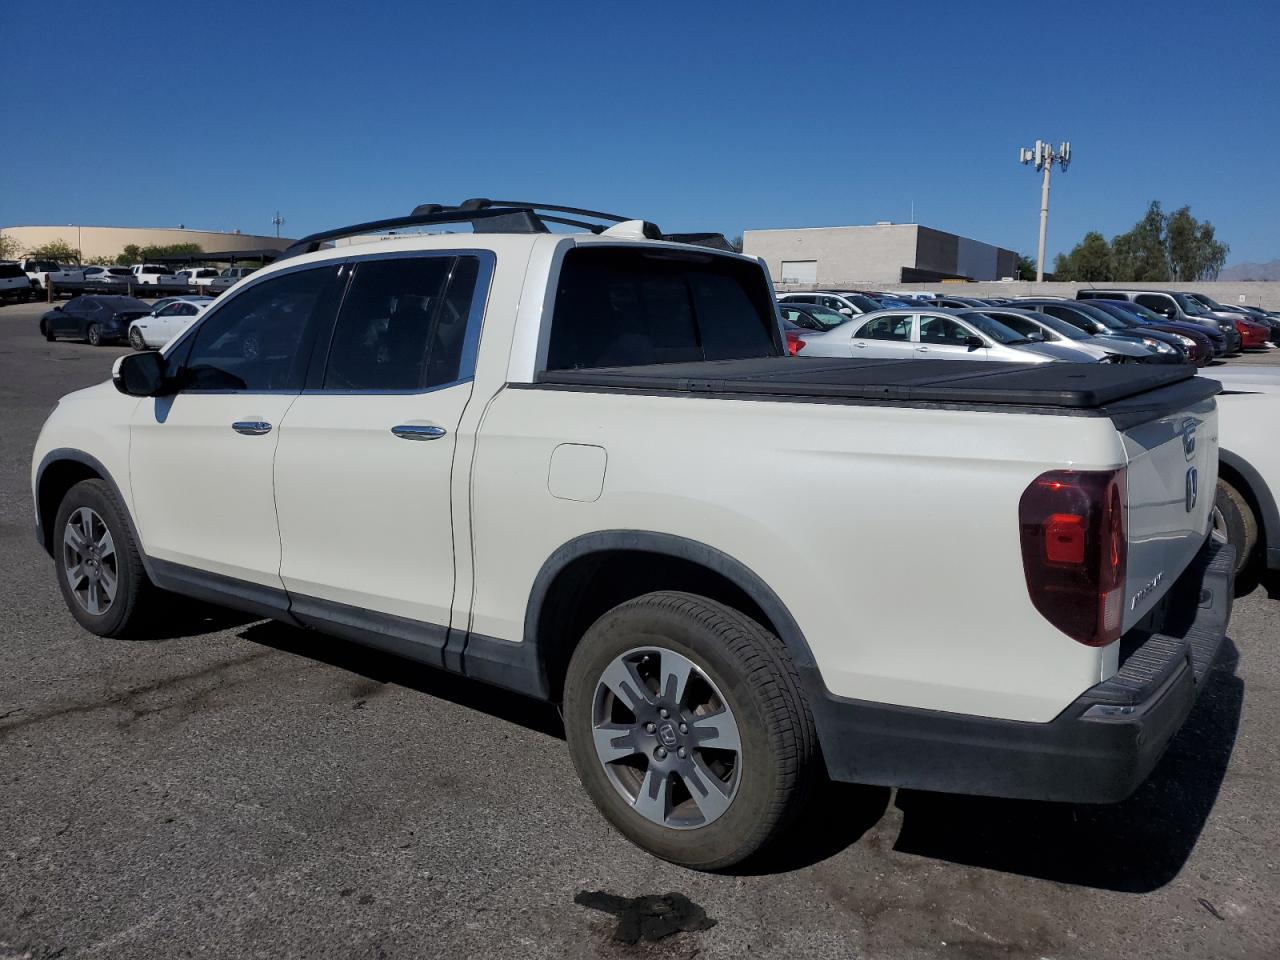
<point>1253,336</point>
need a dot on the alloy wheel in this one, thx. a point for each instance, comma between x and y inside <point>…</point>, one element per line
<point>135,339</point>
<point>667,738</point>
<point>89,561</point>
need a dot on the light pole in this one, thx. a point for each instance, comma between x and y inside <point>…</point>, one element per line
<point>1044,157</point>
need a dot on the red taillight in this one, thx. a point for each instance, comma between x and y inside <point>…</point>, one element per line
<point>794,344</point>
<point>1074,547</point>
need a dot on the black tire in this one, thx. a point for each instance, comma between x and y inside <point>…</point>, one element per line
<point>1234,518</point>
<point>125,614</point>
<point>756,680</point>
<point>135,339</point>
<point>46,332</point>
<point>94,335</point>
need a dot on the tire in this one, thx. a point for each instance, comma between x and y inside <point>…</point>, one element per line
<point>94,335</point>
<point>735,668</point>
<point>135,339</point>
<point>46,332</point>
<point>89,509</point>
<point>1234,519</point>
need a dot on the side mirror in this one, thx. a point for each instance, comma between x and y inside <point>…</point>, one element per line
<point>140,374</point>
<point>846,311</point>
<point>974,343</point>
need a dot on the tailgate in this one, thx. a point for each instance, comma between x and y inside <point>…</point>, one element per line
<point>1171,477</point>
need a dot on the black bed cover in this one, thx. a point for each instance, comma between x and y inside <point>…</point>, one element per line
<point>1101,388</point>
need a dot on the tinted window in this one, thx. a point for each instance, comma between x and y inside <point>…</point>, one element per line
<point>8,271</point>
<point>403,324</point>
<point>943,330</point>
<point>1022,326</point>
<point>893,327</point>
<point>1153,302</point>
<point>625,307</point>
<point>1070,316</point>
<point>260,339</point>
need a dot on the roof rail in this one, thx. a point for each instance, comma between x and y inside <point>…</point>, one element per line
<point>499,216</point>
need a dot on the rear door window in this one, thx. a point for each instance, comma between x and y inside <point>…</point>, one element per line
<point>895,326</point>
<point>630,307</point>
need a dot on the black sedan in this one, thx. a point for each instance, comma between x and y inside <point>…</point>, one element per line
<point>96,319</point>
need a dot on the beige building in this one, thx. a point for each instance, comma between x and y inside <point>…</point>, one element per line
<point>94,242</point>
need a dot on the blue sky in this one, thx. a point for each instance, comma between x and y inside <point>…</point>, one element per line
<point>698,117</point>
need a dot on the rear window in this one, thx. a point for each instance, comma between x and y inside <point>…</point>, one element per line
<point>9,271</point>
<point>624,307</point>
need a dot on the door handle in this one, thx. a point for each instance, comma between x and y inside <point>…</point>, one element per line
<point>860,345</point>
<point>419,431</point>
<point>922,349</point>
<point>251,428</point>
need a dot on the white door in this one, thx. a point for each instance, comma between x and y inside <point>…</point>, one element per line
<point>886,337</point>
<point>201,461</point>
<point>365,460</point>
<point>945,338</point>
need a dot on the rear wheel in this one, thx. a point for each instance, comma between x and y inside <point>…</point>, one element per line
<point>99,566</point>
<point>1233,519</point>
<point>94,335</point>
<point>46,331</point>
<point>687,725</point>
<point>135,339</point>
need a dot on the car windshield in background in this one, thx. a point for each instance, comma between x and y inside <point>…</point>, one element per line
<point>865,304</point>
<point>1190,306</point>
<point>828,318</point>
<point>1068,330</point>
<point>1138,310</point>
<point>994,329</point>
<point>44,266</point>
<point>894,303</point>
<point>119,271</point>
<point>1211,303</point>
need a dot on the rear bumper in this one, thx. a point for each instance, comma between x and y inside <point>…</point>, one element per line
<point>1098,750</point>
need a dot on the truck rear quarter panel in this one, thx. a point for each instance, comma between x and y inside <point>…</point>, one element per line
<point>890,534</point>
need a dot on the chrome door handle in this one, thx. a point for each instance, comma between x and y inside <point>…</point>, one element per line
<point>860,346</point>
<point>922,349</point>
<point>251,428</point>
<point>419,431</point>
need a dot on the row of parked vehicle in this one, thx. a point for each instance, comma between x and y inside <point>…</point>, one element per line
<point>33,278</point>
<point>103,319</point>
<point>1107,326</point>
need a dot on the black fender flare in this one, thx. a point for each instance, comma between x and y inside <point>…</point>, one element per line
<point>1269,515</point>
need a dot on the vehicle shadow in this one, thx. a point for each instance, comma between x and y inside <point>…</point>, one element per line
<point>180,618</point>
<point>383,667</point>
<point>1135,846</point>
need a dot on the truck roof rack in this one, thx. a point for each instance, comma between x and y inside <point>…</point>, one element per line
<point>501,216</point>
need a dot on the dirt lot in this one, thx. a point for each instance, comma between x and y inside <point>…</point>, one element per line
<point>243,789</point>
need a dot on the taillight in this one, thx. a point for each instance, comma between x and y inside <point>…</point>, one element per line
<point>794,345</point>
<point>1074,549</point>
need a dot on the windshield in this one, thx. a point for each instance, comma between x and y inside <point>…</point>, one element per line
<point>1138,310</point>
<point>828,318</point>
<point>994,329</point>
<point>894,303</point>
<point>865,304</point>
<point>1209,302</point>
<point>43,266</point>
<point>1189,306</point>
<point>1061,327</point>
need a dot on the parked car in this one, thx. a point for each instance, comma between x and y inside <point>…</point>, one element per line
<point>1100,323</point>
<point>168,318</point>
<point>227,279</point>
<point>933,334</point>
<point>792,331</point>
<point>848,304</point>
<point>108,279</point>
<point>196,276</point>
<point>1040,326</point>
<point>44,272</point>
<point>151,274</point>
<point>1193,338</point>
<point>1217,339</point>
<point>1255,334</point>
<point>1257,313</point>
<point>14,282</point>
<point>1248,491</point>
<point>811,316</point>
<point>509,455</point>
<point>95,319</point>
<point>1172,306</point>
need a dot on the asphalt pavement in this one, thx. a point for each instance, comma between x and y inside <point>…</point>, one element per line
<point>245,789</point>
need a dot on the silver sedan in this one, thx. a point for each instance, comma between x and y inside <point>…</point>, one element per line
<point>934,334</point>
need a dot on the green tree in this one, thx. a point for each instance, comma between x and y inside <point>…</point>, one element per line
<point>10,247</point>
<point>1193,252</point>
<point>1026,267</point>
<point>131,254</point>
<point>1089,260</point>
<point>1141,254</point>
<point>55,250</point>
<point>134,254</point>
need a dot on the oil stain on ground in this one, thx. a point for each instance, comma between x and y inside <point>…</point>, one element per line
<point>647,917</point>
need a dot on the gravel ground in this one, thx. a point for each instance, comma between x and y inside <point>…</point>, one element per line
<point>243,789</point>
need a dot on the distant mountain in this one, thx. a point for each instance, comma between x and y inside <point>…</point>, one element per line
<point>1252,271</point>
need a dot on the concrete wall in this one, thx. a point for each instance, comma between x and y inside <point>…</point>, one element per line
<point>881,250</point>
<point>110,241</point>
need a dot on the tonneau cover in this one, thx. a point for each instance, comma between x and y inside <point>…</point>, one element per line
<point>1076,386</point>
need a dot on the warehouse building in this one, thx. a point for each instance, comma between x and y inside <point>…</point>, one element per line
<point>874,255</point>
<point>96,242</point>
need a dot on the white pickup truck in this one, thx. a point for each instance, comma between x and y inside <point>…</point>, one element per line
<point>567,464</point>
<point>44,272</point>
<point>152,274</point>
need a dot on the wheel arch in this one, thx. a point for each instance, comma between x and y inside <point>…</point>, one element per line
<point>595,572</point>
<point>1244,477</point>
<point>59,471</point>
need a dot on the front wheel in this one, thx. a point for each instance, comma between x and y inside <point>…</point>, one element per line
<point>94,335</point>
<point>1233,519</point>
<point>99,566</point>
<point>687,726</point>
<point>46,331</point>
<point>135,339</point>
